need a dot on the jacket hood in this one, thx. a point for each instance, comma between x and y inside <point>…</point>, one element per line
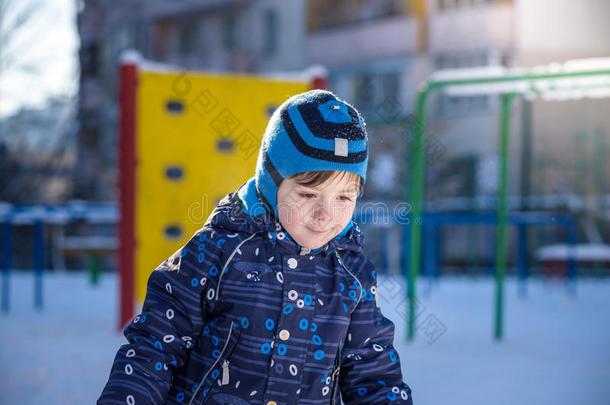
<point>244,211</point>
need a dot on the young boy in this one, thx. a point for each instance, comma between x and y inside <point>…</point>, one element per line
<point>272,302</point>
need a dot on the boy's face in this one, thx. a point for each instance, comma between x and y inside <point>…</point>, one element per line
<point>315,215</point>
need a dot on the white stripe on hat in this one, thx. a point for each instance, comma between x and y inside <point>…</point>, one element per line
<point>341,147</point>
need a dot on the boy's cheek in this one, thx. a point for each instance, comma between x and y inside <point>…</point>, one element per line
<point>289,208</point>
<point>341,207</point>
<point>342,210</point>
<point>291,217</point>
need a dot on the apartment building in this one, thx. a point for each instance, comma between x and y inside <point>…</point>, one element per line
<point>215,35</point>
<point>376,53</point>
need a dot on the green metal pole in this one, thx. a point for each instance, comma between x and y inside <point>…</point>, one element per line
<point>417,187</point>
<point>522,78</point>
<point>93,263</point>
<point>502,211</point>
<point>418,172</point>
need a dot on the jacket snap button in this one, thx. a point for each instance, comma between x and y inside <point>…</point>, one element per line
<point>284,334</point>
<point>271,403</point>
<point>292,263</point>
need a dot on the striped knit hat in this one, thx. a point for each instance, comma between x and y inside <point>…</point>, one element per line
<point>311,131</point>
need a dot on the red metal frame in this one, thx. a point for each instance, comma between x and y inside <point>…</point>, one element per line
<point>128,72</point>
<point>127,187</point>
<point>320,82</point>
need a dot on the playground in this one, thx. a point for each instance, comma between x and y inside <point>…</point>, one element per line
<point>529,328</point>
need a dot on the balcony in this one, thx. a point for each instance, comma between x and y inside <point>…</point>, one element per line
<point>164,8</point>
<point>391,37</point>
<point>482,26</point>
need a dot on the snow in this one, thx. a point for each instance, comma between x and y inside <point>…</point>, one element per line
<point>61,354</point>
<point>555,347</point>
<point>531,82</point>
<point>590,252</point>
<point>586,65</point>
<point>496,71</point>
<point>479,72</point>
<point>133,57</point>
<point>89,242</point>
<point>96,213</point>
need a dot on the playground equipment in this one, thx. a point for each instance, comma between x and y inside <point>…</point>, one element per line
<point>555,258</point>
<point>41,216</point>
<point>186,139</point>
<point>571,80</point>
<point>433,221</point>
<point>55,216</point>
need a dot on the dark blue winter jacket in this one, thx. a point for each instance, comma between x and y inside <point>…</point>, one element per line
<point>243,315</point>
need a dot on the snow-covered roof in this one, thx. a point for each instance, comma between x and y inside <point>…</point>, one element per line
<point>58,214</point>
<point>592,252</point>
<point>89,243</point>
<point>551,82</point>
<point>134,57</point>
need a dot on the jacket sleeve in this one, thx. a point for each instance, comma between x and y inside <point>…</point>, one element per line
<point>173,314</point>
<point>370,367</point>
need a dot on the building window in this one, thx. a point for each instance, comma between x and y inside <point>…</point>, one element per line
<point>188,33</point>
<point>90,60</point>
<point>390,83</point>
<point>452,4</point>
<point>460,105</point>
<point>324,14</point>
<point>229,32</point>
<point>271,32</point>
<point>371,90</point>
<point>364,91</point>
<point>162,39</point>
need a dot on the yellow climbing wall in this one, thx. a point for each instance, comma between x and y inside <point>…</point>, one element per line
<point>197,139</point>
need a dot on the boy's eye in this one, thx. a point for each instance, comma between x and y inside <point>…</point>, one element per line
<point>345,198</point>
<point>307,195</point>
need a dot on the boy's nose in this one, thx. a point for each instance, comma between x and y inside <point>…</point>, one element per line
<point>322,210</point>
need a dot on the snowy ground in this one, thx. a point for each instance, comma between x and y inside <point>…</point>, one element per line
<point>556,349</point>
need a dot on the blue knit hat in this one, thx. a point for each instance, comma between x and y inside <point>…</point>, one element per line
<point>312,131</point>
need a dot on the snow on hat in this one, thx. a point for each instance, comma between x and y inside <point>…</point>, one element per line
<point>312,131</point>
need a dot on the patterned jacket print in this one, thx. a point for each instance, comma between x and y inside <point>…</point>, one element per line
<point>242,315</point>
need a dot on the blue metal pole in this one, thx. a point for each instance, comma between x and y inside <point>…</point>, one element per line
<point>425,249</point>
<point>491,248</point>
<point>522,259</point>
<point>432,242</point>
<point>39,256</point>
<point>404,252</point>
<point>6,264</point>
<point>571,263</point>
<point>426,257</point>
<point>437,252</point>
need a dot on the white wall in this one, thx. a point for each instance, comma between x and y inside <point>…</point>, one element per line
<point>559,28</point>
<point>466,28</point>
<point>387,38</point>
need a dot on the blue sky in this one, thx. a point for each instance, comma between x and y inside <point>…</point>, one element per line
<point>48,43</point>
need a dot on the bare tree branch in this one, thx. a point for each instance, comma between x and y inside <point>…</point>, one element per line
<point>17,31</point>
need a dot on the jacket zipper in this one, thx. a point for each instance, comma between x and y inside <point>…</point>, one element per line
<point>337,367</point>
<point>222,272</point>
<point>355,278</point>
<point>225,373</point>
<point>335,383</point>
<point>214,365</point>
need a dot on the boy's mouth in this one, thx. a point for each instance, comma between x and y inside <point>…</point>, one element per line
<point>317,232</point>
